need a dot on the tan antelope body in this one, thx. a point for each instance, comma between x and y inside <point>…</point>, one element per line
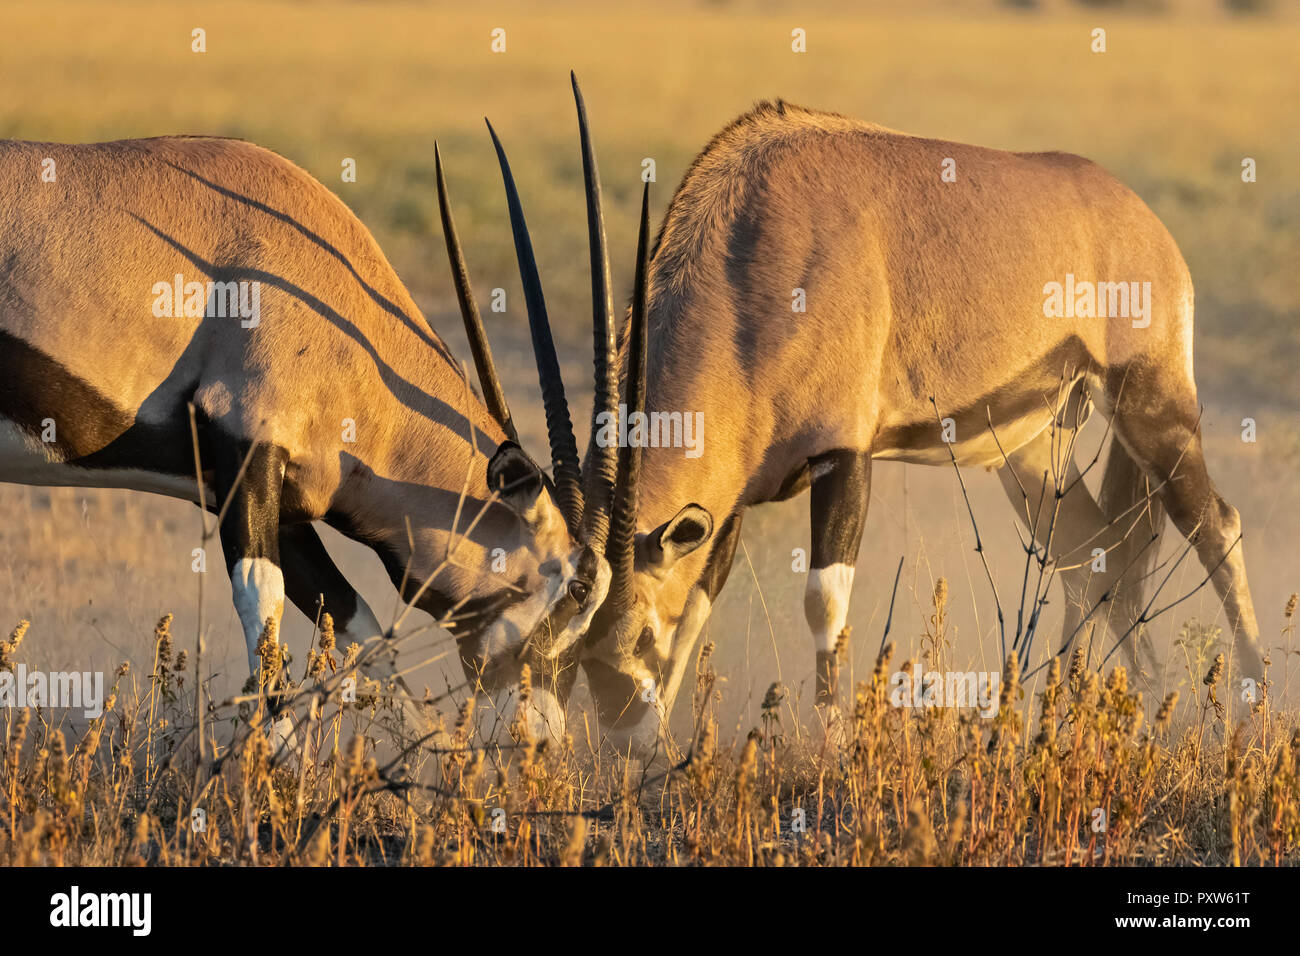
<point>925,300</point>
<point>337,399</point>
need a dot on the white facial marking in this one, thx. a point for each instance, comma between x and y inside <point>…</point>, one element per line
<point>640,739</point>
<point>259,593</point>
<point>826,603</point>
<point>577,626</point>
<point>363,626</point>
<point>545,715</point>
<point>663,634</point>
<point>684,638</point>
<point>517,622</point>
<point>520,620</point>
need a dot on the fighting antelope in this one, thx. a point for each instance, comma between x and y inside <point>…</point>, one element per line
<point>320,395</point>
<point>598,498</point>
<point>924,299</point>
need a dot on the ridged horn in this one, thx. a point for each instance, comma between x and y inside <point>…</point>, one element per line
<point>602,462</point>
<point>622,531</point>
<point>559,424</point>
<point>493,395</point>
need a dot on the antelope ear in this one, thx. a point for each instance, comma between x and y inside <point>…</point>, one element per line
<point>673,540</point>
<point>515,476</point>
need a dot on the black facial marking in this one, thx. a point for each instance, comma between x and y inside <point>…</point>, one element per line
<point>587,565</point>
<point>476,614</point>
<point>579,591</point>
<point>646,640</point>
<point>584,576</point>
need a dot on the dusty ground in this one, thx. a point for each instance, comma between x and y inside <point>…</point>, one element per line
<point>94,570</point>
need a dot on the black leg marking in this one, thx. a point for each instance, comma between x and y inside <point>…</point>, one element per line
<point>250,531</point>
<point>310,576</point>
<point>841,487</point>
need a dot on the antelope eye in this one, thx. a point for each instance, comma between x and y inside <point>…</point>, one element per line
<point>579,591</point>
<point>647,638</point>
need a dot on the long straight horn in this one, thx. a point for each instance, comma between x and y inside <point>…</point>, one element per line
<point>602,461</point>
<point>622,531</point>
<point>559,425</point>
<point>493,394</point>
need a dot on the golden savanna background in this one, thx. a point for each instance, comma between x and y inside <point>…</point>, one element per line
<point>1184,92</point>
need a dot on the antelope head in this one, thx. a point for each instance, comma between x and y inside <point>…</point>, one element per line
<point>624,646</point>
<point>554,584</point>
<point>639,640</point>
<point>567,518</point>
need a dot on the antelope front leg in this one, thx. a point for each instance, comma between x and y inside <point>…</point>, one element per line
<point>250,539</point>
<point>250,535</point>
<point>841,487</point>
<point>312,577</point>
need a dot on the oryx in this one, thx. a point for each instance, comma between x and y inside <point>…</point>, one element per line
<point>924,299</point>
<point>142,277</point>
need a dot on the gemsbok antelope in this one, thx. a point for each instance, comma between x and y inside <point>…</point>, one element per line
<point>924,300</point>
<point>152,275</point>
<point>597,496</point>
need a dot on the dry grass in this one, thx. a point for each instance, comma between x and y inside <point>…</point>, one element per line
<point>883,785</point>
<point>1171,110</point>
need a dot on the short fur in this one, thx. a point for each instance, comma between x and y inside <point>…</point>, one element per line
<point>340,347</point>
<point>924,300</point>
